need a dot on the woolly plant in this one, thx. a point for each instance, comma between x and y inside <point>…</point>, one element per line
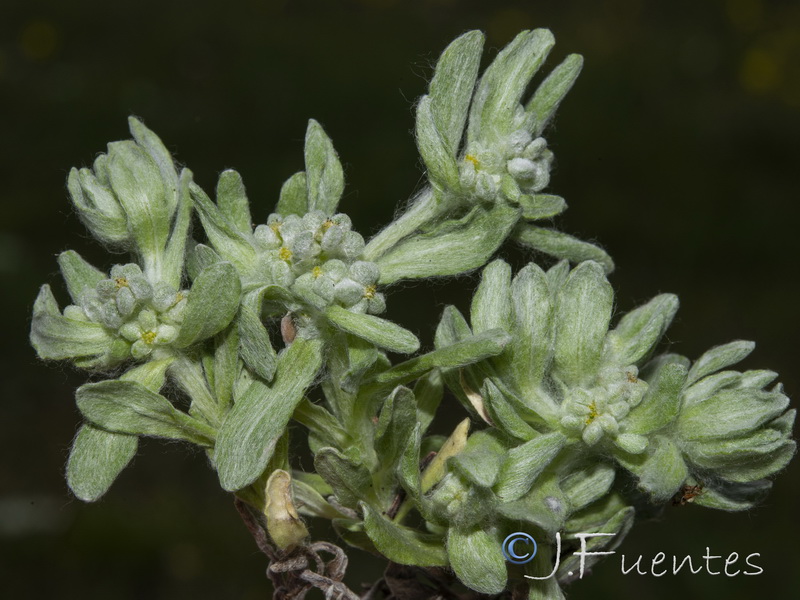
<point>236,336</point>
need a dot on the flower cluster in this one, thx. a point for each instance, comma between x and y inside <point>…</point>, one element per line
<point>316,257</point>
<point>516,165</point>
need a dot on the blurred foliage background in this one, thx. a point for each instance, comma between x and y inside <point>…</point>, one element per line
<point>678,150</point>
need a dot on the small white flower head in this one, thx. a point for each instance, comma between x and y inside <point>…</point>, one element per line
<point>316,256</point>
<point>526,160</point>
<point>600,411</point>
<point>147,333</point>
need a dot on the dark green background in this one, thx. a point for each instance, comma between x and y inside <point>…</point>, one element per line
<point>678,150</point>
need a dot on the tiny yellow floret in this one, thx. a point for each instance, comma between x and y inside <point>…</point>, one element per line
<point>369,292</point>
<point>316,272</point>
<point>593,414</point>
<point>148,337</point>
<point>284,253</point>
<point>121,282</point>
<point>471,158</point>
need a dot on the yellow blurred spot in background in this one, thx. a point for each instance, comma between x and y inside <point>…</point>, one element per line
<point>760,71</point>
<point>39,40</point>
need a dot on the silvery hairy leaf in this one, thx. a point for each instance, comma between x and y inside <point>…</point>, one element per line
<point>255,347</point>
<point>401,544</point>
<point>541,206</point>
<point>434,149</point>
<point>129,407</point>
<point>503,83</point>
<point>581,322</point>
<point>452,86</point>
<point>661,402</point>
<point>561,245</point>
<point>449,252</point>
<point>212,303</point>
<point>380,332</point>
<point>78,274</point>
<point>97,456</point>
<point>232,200</point>
<point>96,459</point>
<point>719,358</point>
<point>350,481</point>
<point>525,463</point>
<point>294,196</point>
<point>640,330</point>
<point>324,175</point>
<point>247,438</point>
<point>542,106</point>
<point>477,559</point>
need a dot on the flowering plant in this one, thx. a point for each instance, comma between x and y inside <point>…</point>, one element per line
<point>259,326</point>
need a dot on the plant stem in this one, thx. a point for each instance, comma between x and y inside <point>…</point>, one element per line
<point>427,206</point>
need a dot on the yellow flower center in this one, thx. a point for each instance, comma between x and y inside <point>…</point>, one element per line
<point>284,253</point>
<point>327,225</point>
<point>316,272</point>
<point>593,414</point>
<point>473,159</point>
<point>369,292</point>
<point>148,337</point>
<point>121,282</point>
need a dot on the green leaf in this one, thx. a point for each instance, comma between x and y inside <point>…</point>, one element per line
<point>544,506</point>
<point>232,201</point>
<point>582,316</point>
<point>257,420</point>
<point>129,407</point>
<point>663,472</point>
<point>503,414</point>
<point>212,303</point>
<point>227,240</point>
<point>226,365</point>
<point>719,358</point>
<point>396,422</point>
<point>175,252</point>
<point>661,402</point>
<point>561,245</point>
<point>55,336</point>
<point>452,86</point>
<point>477,559</point>
<point>439,159</point>
<point>152,144</point>
<point>491,304</point>
<point>450,251</point>
<point>542,106</point>
<point>380,332</point>
<point>96,459</point>
<point>137,183</point>
<point>255,347</point>
<point>525,463</point>
<point>504,82</point>
<point>481,459</point>
<point>583,486</point>
<point>730,413</point>
<point>294,196</point>
<point>310,502</point>
<point>325,178</point>
<point>78,274</point>
<point>459,354</point>
<point>639,331</point>
<point>403,545</point>
<point>541,206</point>
<point>351,482</point>
<point>532,345</point>
<point>732,496</point>
<point>428,391</point>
